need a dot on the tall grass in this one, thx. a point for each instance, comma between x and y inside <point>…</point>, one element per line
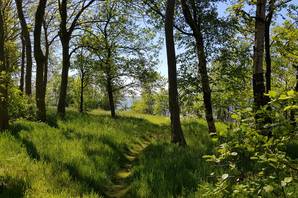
<point>78,156</point>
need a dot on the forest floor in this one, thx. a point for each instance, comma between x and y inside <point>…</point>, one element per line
<point>93,155</point>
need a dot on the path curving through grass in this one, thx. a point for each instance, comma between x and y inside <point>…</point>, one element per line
<point>122,178</point>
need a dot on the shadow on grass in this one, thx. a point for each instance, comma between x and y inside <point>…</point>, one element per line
<point>30,147</point>
<point>164,168</point>
<point>12,187</point>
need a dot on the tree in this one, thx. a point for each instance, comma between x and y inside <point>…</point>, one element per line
<point>23,58</point>
<point>177,133</point>
<point>4,119</point>
<point>27,42</point>
<point>50,34</point>
<point>194,21</point>
<point>123,60</point>
<point>40,61</point>
<point>258,76</point>
<point>68,24</point>
<point>85,69</point>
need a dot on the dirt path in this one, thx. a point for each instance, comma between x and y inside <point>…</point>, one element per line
<point>121,179</point>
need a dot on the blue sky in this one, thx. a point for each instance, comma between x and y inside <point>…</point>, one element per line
<point>162,67</point>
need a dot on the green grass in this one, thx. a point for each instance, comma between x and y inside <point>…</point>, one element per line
<point>79,156</point>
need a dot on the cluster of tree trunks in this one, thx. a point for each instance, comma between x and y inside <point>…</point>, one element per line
<point>28,47</point>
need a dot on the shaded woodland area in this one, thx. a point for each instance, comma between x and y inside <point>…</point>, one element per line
<point>147,98</point>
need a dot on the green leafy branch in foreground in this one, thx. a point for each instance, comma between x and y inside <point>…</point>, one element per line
<point>256,165</point>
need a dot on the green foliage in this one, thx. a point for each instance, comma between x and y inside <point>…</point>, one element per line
<point>255,164</point>
<point>154,103</point>
<point>20,106</point>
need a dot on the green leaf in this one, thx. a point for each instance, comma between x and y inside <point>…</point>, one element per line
<point>268,188</point>
<point>225,176</point>
<point>283,97</point>
<point>272,94</point>
<point>288,179</point>
<point>235,116</point>
<point>291,107</point>
<point>291,93</point>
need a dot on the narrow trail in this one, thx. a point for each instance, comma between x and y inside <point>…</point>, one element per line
<point>121,179</point>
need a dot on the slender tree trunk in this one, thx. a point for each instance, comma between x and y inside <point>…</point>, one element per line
<point>177,133</point>
<point>258,77</point>
<point>195,24</point>
<point>82,93</point>
<point>46,65</point>
<point>205,85</point>
<point>40,62</point>
<point>268,58</point>
<point>268,46</point>
<point>28,76</point>
<point>4,118</point>
<point>23,56</point>
<point>111,97</point>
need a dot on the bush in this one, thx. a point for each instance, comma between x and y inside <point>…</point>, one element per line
<point>254,164</point>
<point>20,105</point>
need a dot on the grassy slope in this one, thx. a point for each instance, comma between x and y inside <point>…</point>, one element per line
<point>80,156</point>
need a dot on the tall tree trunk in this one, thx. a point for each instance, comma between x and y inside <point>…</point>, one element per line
<point>195,24</point>
<point>23,57</point>
<point>4,118</point>
<point>111,97</point>
<point>40,61</point>
<point>28,76</point>
<point>258,77</point>
<point>177,133</point>
<point>82,92</point>
<point>64,77</point>
<point>205,85</point>
<point>65,33</point>
<point>268,46</point>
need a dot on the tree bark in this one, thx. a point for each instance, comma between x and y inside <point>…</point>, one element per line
<point>258,77</point>
<point>40,61</point>
<point>47,52</point>
<point>28,76</point>
<point>64,77</point>
<point>111,97</point>
<point>4,118</point>
<point>23,57</point>
<point>177,133</point>
<point>268,46</point>
<point>65,39</point>
<point>202,66</point>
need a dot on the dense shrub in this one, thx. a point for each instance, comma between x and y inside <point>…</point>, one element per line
<point>254,164</point>
<point>20,105</point>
